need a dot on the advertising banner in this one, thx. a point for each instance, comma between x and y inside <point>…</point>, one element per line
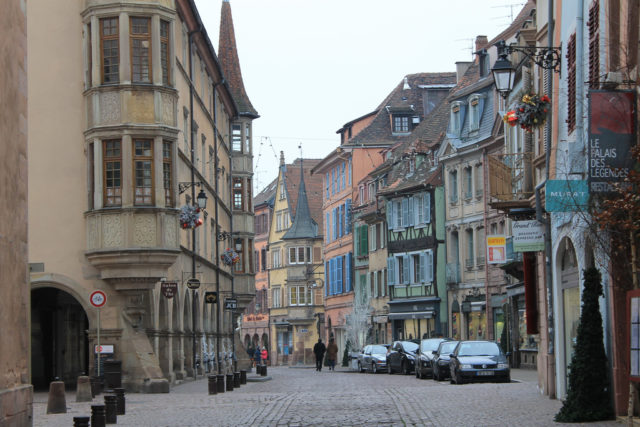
<point>612,132</point>
<point>496,249</point>
<point>528,236</point>
<point>563,195</point>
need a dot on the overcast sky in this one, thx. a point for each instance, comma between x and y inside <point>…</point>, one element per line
<point>310,66</point>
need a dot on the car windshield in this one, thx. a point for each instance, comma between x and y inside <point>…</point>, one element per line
<point>410,346</point>
<point>378,349</point>
<point>447,347</point>
<point>430,345</point>
<point>479,348</point>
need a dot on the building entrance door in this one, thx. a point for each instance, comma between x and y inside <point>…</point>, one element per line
<point>59,342</point>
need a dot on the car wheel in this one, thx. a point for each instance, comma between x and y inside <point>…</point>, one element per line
<point>360,368</point>
<point>405,368</point>
<point>417,373</point>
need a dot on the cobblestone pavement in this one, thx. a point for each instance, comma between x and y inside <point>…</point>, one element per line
<point>304,397</point>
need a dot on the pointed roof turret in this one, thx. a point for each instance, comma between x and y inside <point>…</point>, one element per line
<point>228,55</point>
<point>303,227</point>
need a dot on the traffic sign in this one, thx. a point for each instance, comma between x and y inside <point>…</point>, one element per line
<point>98,299</point>
<point>193,283</point>
<point>210,297</point>
<point>169,289</point>
<point>230,303</point>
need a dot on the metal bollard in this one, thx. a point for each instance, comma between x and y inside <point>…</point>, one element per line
<point>80,421</point>
<point>120,400</point>
<point>98,416</point>
<point>243,376</point>
<point>220,383</point>
<point>213,384</point>
<point>111,413</point>
<point>229,382</point>
<point>263,371</point>
<point>236,380</point>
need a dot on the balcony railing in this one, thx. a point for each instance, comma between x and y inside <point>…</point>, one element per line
<point>511,176</point>
<point>453,272</point>
<point>468,263</point>
<point>480,261</point>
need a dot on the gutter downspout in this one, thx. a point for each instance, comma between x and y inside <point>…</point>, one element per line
<point>216,199</point>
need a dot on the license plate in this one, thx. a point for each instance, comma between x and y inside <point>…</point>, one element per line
<point>485,373</point>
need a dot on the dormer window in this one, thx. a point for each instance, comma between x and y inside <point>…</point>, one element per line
<point>475,109</point>
<point>455,119</point>
<point>400,124</point>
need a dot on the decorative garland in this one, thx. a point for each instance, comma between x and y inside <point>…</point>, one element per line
<point>530,112</point>
<point>230,257</point>
<point>190,217</point>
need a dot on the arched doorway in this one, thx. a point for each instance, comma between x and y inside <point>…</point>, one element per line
<point>570,288</point>
<point>59,342</point>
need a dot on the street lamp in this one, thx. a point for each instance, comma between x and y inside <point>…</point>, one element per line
<point>202,200</point>
<point>504,72</point>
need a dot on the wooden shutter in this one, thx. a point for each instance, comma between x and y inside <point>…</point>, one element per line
<point>571,83</point>
<point>327,282</point>
<point>423,260</point>
<point>411,218</point>
<point>348,279</point>
<point>339,271</point>
<point>389,215</point>
<point>406,270</point>
<point>391,271</point>
<point>405,212</point>
<point>426,205</point>
<point>347,216</point>
<point>594,45</point>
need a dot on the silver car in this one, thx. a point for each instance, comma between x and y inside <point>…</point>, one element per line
<point>373,358</point>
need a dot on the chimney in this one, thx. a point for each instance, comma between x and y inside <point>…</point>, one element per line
<point>481,43</point>
<point>282,158</point>
<point>461,68</point>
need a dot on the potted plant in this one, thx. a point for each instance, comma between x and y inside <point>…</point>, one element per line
<point>530,112</point>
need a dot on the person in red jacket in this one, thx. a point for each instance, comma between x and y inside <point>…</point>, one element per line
<point>264,355</point>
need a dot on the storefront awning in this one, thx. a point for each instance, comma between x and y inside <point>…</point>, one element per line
<point>412,315</point>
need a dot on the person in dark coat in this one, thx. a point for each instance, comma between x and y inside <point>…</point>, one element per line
<point>319,350</point>
<point>332,354</point>
<point>258,356</point>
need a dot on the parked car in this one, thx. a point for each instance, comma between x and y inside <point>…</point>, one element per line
<point>440,361</point>
<point>373,358</point>
<point>479,361</point>
<point>425,355</point>
<point>402,357</point>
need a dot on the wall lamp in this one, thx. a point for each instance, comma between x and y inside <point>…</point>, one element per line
<point>504,72</point>
<point>201,199</point>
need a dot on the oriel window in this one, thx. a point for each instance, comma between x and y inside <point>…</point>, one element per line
<point>110,54</point>
<point>166,172</point>
<point>140,50</point>
<point>112,166</point>
<point>143,171</point>
<point>238,193</point>
<point>164,51</point>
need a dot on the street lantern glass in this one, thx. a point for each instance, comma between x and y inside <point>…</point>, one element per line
<point>202,200</point>
<point>503,73</point>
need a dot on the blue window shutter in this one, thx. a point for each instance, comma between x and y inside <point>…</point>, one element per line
<point>332,277</point>
<point>365,237</point>
<point>328,228</point>
<point>427,207</point>
<point>327,184</point>
<point>341,209</point>
<point>344,183</point>
<point>333,182</point>
<point>339,220</point>
<point>423,259</point>
<point>347,218</point>
<point>348,275</point>
<point>405,212</point>
<point>410,221</point>
<point>333,224</point>
<point>349,173</point>
<point>326,278</point>
<point>429,266</point>
<point>405,269</point>
<point>390,271</point>
<point>339,274</point>
<point>389,215</point>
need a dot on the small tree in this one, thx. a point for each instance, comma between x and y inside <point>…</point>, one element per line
<point>588,397</point>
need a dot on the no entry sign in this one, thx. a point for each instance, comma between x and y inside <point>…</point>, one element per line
<point>98,299</point>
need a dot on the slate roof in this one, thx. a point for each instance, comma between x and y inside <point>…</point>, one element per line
<point>411,99</point>
<point>303,227</point>
<point>230,63</point>
<point>267,195</point>
<point>313,189</point>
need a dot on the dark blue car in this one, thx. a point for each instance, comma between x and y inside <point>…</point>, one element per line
<point>479,361</point>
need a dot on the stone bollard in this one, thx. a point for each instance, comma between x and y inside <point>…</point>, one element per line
<point>236,380</point>
<point>220,383</point>
<point>120,401</point>
<point>80,421</point>
<point>243,376</point>
<point>83,390</point>
<point>98,416</point>
<point>57,403</point>
<point>213,384</point>
<point>263,371</point>
<point>229,382</point>
<point>96,386</point>
<point>111,409</point>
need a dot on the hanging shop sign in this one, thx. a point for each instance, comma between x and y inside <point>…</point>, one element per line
<point>496,249</point>
<point>169,289</point>
<point>563,195</point>
<point>612,133</point>
<point>528,236</point>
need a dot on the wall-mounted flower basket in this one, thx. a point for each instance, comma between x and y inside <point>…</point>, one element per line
<point>230,257</point>
<point>190,217</point>
<point>530,113</point>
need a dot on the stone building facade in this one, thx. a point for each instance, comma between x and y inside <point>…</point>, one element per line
<point>16,394</point>
<point>141,115</point>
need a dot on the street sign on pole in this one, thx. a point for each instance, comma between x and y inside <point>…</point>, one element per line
<point>98,299</point>
<point>230,303</point>
<point>193,283</point>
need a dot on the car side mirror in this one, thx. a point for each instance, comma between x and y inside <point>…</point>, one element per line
<point>452,356</point>
<point>434,352</point>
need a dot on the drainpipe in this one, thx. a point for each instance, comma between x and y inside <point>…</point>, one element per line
<point>487,298</point>
<point>216,200</point>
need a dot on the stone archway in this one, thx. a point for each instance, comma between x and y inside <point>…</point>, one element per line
<point>59,341</point>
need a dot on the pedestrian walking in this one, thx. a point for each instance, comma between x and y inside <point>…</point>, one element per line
<point>319,350</point>
<point>264,354</point>
<point>332,354</point>
<point>257,355</point>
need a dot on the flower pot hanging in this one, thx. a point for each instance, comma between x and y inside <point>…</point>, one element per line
<point>530,112</point>
<point>230,257</point>
<point>190,217</point>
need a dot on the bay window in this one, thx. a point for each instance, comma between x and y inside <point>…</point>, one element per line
<point>143,171</point>
<point>140,42</point>
<point>112,166</point>
<point>110,52</point>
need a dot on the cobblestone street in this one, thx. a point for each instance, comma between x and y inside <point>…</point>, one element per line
<point>302,397</point>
